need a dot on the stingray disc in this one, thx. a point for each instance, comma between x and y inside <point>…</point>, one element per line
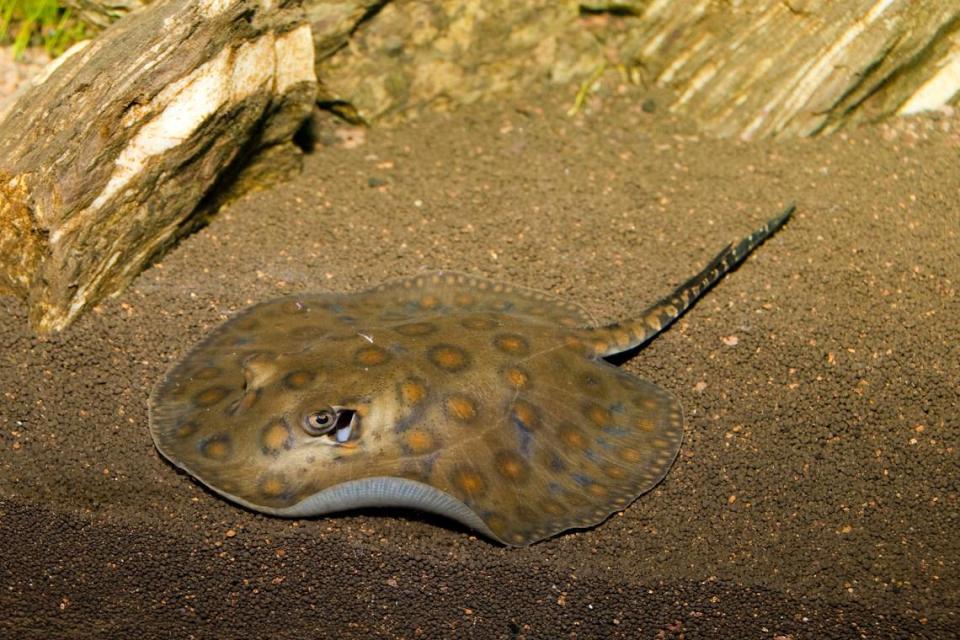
<point>481,401</point>
<point>445,392</point>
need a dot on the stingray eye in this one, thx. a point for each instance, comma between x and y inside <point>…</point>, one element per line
<point>320,422</point>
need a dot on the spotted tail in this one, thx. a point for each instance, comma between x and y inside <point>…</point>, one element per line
<point>623,336</point>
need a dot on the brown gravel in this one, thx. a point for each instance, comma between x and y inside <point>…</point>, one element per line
<point>816,494</point>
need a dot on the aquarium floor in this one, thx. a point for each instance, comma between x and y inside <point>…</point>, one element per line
<point>816,493</point>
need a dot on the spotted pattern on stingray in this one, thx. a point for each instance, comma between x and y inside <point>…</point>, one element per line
<point>480,400</point>
<point>186,429</point>
<point>217,447</point>
<point>210,396</point>
<point>276,437</point>
<point>298,379</point>
<point>449,357</point>
<point>420,441</point>
<point>517,377</point>
<point>371,356</point>
<point>412,392</point>
<point>208,373</point>
<point>512,343</point>
<point>461,408</point>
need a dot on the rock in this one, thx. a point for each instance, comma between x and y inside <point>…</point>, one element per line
<point>749,69</point>
<point>334,21</point>
<point>410,54</point>
<point>798,67</point>
<point>104,161</point>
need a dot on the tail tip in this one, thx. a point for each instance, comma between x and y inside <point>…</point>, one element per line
<point>781,218</point>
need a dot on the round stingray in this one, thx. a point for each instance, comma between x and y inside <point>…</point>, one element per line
<point>453,394</point>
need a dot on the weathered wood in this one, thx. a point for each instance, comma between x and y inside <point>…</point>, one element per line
<point>100,13</point>
<point>104,162</point>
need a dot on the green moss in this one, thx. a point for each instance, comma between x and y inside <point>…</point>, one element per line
<point>38,23</point>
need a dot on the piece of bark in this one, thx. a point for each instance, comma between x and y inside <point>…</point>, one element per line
<point>104,162</point>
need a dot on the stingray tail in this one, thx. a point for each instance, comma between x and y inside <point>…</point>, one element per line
<point>630,334</point>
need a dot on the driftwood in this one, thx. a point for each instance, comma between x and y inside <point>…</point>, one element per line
<point>100,13</point>
<point>104,162</point>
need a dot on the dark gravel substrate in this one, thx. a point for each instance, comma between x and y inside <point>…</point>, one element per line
<point>816,494</point>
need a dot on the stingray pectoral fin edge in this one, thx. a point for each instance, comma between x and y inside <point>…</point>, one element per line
<point>378,491</point>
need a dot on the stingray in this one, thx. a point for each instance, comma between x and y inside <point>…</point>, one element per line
<point>487,403</point>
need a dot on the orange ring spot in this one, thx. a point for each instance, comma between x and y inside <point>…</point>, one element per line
<point>470,482</point>
<point>420,441</point>
<point>298,379</point>
<point>462,408</point>
<point>597,490</point>
<point>371,356</point>
<point>413,329</point>
<point>511,466</point>
<point>207,373</point>
<point>525,414</point>
<point>272,487</point>
<point>615,472</point>
<point>517,378</point>
<point>186,429</point>
<point>412,392</point>
<point>209,397</point>
<point>216,448</point>
<point>449,357</point>
<point>599,416</point>
<point>429,302</point>
<point>553,508</point>
<point>275,436</point>
<point>511,343</point>
<point>645,423</point>
<point>572,437</point>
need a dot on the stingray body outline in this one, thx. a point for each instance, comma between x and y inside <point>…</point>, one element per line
<point>480,401</point>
